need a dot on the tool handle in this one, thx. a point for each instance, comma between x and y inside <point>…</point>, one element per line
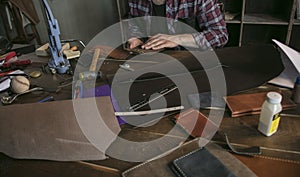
<point>95,60</point>
<point>8,56</point>
<point>16,63</point>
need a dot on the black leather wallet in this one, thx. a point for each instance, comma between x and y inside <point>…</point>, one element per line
<point>199,163</point>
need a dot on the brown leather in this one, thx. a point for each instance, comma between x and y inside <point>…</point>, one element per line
<point>242,66</point>
<point>196,124</point>
<point>51,130</point>
<point>269,167</point>
<point>27,7</point>
<point>250,104</point>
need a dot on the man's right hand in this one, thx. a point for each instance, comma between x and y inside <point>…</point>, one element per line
<point>134,42</point>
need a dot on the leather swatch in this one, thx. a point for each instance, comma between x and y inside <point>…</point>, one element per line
<point>268,166</point>
<point>52,130</point>
<point>250,104</point>
<point>196,124</point>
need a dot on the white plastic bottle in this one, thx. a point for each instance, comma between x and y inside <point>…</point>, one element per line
<point>269,117</point>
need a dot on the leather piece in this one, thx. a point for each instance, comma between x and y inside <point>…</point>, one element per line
<point>196,124</point>
<point>30,168</point>
<point>51,131</point>
<point>200,163</point>
<point>107,51</point>
<point>250,104</point>
<point>268,166</point>
<point>244,69</point>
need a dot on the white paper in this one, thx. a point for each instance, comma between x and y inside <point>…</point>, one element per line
<point>291,62</point>
<point>5,84</point>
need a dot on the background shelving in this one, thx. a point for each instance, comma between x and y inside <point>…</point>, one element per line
<point>258,22</point>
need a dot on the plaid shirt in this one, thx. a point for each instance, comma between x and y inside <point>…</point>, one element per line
<point>213,31</point>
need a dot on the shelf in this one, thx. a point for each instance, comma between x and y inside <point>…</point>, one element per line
<point>263,19</point>
<point>233,21</point>
<point>233,29</point>
<point>295,42</point>
<point>232,18</point>
<point>297,22</point>
<point>272,8</point>
<point>262,34</point>
<point>233,6</point>
<point>256,22</point>
<point>233,11</point>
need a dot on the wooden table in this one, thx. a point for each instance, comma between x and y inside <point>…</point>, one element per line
<point>283,147</point>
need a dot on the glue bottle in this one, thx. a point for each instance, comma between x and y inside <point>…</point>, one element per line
<point>296,91</point>
<point>269,117</point>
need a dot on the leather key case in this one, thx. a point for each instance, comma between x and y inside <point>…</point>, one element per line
<point>196,124</point>
<point>200,163</point>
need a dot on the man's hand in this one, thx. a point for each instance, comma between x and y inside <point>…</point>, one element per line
<point>134,42</point>
<point>160,41</point>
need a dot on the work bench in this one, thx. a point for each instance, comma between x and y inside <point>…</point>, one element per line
<point>280,152</point>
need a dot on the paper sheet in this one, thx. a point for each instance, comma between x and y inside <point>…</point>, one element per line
<point>291,62</point>
<point>5,82</point>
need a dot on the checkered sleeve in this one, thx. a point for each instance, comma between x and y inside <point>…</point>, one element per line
<point>210,19</point>
<point>136,26</point>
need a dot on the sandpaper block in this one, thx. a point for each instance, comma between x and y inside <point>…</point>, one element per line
<point>70,54</point>
<point>43,50</point>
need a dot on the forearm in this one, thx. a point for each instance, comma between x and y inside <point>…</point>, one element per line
<point>185,40</point>
<point>160,41</point>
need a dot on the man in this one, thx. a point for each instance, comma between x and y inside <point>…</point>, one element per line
<point>203,15</point>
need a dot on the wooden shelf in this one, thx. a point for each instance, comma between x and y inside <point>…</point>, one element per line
<point>259,23</point>
<point>295,42</point>
<point>263,19</point>
<point>297,22</point>
<point>260,34</point>
<point>233,21</point>
<point>233,29</point>
<point>234,18</point>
